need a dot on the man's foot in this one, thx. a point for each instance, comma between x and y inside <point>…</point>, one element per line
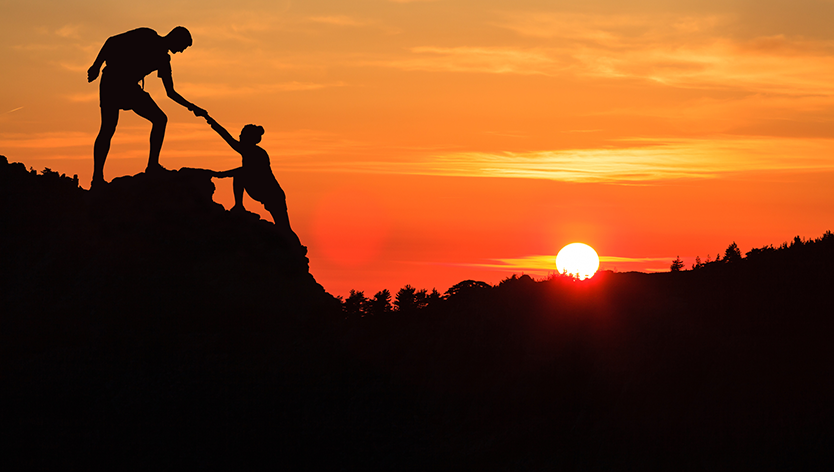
<point>155,169</point>
<point>97,184</point>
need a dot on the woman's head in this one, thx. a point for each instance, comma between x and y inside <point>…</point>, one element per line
<point>251,134</point>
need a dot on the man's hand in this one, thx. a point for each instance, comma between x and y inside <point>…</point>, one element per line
<point>199,111</point>
<point>92,73</point>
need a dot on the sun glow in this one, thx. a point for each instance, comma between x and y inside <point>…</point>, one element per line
<point>577,259</point>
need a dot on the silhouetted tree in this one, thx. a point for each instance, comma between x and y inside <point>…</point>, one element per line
<point>756,252</point>
<point>421,298</point>
<point>698,264</point>
<point>467,286</point>
<point>677,264</point>
<point>511,279</point>
<point>355,305</point>
<point>380,304</point>
<point>410,299</point>
<point>55,178</point>
<point>406,299</point>
<point>797,242</point>
<point>732,253</point>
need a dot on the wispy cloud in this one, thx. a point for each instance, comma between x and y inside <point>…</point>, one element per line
<point>634,259</point>
<point>339,20</point>
<point>242,25</point>
<point>495,60</point>
<point>354,22</point>
<point>83,97</point>
<point>654,160</point>
<point>679,51</point>
<point>610,30</point>
<point>682,51</point>
<point>69,31</point>
<point>36,47</point>
<point>14,110</point>
<point>225,90</point>
<point>77,67</point>
<point>637,161</point>
<point>45,140</point>
<point>543,264</point>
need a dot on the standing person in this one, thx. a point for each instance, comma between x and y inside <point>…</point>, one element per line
<point>256,177</point>
<point>130,57</point>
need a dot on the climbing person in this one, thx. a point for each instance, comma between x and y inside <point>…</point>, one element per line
<point>256,177</point>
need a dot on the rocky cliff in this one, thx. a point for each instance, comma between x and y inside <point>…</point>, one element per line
<point>144,247</point>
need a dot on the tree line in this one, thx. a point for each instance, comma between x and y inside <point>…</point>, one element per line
<point>407,300</point>
<point>733,254</point>
<point>410,300</point>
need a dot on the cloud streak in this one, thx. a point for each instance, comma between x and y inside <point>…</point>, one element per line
<point>635,162</point>
<point>493,60</point>
<point>544,264</point>
<point>338,20</point>
<point>201,90</point>
<point>670,50</point>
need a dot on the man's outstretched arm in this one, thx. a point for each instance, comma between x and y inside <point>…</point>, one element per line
<point>93,71</point>
<point>173,95</point>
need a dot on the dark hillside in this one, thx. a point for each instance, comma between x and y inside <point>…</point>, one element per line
<point>144,325</point>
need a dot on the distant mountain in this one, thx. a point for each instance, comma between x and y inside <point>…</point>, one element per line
<point>143,325</point>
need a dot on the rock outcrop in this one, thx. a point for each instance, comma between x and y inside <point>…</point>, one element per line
<point>145,245</point>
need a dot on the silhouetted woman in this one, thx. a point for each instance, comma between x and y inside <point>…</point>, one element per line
<point>255,176</point>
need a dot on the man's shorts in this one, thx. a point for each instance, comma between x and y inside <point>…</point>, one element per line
<point>122,95</point>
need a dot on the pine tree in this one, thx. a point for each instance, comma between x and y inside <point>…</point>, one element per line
<point>677,264</point>
<point>732,253</point>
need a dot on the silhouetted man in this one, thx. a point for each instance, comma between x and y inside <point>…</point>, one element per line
<point>130,57</point>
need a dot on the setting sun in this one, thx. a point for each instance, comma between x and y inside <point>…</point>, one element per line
<point>577,259</point>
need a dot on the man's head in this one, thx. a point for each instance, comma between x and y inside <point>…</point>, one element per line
<point>178,39</point>
<point>251,134</point>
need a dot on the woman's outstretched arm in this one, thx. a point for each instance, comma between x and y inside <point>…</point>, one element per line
<point>227,173</point>
<point>234,143</point>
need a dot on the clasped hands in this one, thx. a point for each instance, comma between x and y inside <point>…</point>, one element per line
<point>199,112</point>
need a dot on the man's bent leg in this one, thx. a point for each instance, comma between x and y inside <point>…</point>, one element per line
<point>149,110</point>
<point>109,120</point>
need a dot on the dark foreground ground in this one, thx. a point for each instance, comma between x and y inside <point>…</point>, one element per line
<point>146,328</point>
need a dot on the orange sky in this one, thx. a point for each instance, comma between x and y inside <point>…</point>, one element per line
<point>427,142</point>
